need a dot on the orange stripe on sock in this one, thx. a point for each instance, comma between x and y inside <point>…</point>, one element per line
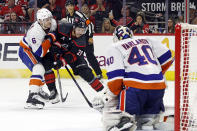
<point>37,82</point>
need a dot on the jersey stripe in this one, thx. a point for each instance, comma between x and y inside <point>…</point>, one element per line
<point>31,56</point>
<point>24,44</point>
<point>162,59</point>
<point>115,73</point>
<point>140,85</point>
<point>144,77</point>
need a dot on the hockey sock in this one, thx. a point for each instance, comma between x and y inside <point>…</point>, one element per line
<point>50,80</point>
<point>96,85</point>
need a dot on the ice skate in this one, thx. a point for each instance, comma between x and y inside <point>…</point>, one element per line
<point>34,102</point>
<point>44,95</point>
<point>54,97</point>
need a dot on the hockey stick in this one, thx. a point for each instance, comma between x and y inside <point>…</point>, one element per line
<point>89,103</point>
<point>60,87</point>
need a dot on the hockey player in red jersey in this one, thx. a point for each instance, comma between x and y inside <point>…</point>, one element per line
<point>136,83</point>
<point>68,49</point>
<point>33,47</point>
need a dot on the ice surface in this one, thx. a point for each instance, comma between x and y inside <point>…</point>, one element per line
<point>73,115</point>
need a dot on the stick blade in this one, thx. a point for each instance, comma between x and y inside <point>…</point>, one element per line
<point>64,99</point>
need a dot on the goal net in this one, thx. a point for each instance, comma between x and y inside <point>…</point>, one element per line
<point>185,77</point>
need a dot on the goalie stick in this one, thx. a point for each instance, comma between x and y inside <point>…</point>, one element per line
<point>89,103</point>
<point>60,87</point>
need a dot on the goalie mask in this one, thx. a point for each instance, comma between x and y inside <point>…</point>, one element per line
<point>44,17</point>
<point>121,33</point>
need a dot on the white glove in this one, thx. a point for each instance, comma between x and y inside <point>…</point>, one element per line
<point>98,103</point>
<point>105,99</point>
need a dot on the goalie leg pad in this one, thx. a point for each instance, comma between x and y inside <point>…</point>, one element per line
<point>105,100</point>
<point>164,126</point>
<point>116,120</point>
<point>147,121</point>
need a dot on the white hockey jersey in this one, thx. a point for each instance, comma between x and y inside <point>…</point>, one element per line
<point>137,63</point>
<point>34,40</point>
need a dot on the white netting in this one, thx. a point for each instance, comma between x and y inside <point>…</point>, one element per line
<point>188,72</point>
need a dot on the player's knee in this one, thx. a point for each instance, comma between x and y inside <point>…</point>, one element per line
<point>111,118</point>
<point>38,69</point>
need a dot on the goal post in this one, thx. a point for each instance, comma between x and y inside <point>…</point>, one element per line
<point>185,77</point>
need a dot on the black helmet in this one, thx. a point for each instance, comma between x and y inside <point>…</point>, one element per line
<point>79,22</point>
<point>70,2</point>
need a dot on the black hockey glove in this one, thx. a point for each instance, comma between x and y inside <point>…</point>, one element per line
<point>51,37</point>
<point>59,63</point>
<point>56,48</point>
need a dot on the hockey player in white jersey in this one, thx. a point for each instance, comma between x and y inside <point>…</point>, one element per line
<point>33,47</point>
<point>135,70</point>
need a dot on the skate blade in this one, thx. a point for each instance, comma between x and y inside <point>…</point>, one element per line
<point>31,106</point>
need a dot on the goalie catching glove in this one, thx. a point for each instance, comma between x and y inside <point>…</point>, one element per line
<point>105,99</point>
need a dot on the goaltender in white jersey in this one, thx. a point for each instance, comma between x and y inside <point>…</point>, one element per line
<point>135,70</point>
<point>139,63</point>
<point>33,47</point>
